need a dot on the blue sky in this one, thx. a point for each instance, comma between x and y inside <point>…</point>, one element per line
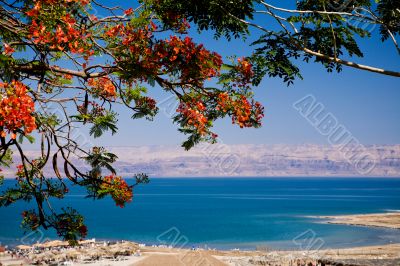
<point>366,103</point>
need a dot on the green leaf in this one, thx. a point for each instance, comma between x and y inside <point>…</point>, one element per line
<point>104,123</point>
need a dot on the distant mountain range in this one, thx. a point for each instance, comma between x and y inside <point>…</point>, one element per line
<point>255,160</point>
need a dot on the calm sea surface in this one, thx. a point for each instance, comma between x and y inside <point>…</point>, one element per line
<point>230,212</point>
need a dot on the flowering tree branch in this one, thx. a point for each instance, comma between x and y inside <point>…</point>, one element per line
<point>327,32</point>
<point>62,68</point>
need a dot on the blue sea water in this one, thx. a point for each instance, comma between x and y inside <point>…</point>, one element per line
<point>230,213</point>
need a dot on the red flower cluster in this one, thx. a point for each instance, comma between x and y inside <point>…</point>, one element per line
<point>66,225</point>
<point>83,231</point>
<point>16,108</point>
<point>244,71</point>
<point>129,11</point>
<point>176,21</point>
<point>194,115</point>
<point>118,189</point>
<point>8,50</point>
<point>172,18</point>
<point>66,35</point>
<point>38,7</point>
<point>38,3</point>
<point>20,173</point>
<point>243,112</point>
<point>30,220</point>
<point>146,102</point>
<point>194,61</point>
<point>103,87</point>
<point>258,110</point>
<point>95,110</point>
<point>31,217</point>
<point>174,55</point>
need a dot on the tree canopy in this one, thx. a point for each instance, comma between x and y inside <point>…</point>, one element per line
<point>328,32</point>
<point>58,54</point>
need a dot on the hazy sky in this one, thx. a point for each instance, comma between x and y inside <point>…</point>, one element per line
<point>367,104</point>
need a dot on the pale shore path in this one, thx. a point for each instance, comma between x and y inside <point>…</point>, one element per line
<point>387,220</point>
<point>383,255</point>
<point>184,258</point>
<point>8,260</point>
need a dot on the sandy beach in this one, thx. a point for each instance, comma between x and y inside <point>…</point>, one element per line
<point>387,220</point>
<point>388,255</point>
<point>368,256</point>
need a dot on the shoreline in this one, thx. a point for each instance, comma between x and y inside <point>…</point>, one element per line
<point>127,253</point>
<point>390,220</point>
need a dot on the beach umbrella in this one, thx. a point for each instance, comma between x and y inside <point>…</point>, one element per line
<point>131,246</point>
<point>32,257</point>
<point>23,247</point>
<point>56,243</point>
<point>88,241</point>
<point>60,257</point>
<point>50,244</point>
<point>93,253</point>
<point>41,256</point>
<point>73,253</point>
